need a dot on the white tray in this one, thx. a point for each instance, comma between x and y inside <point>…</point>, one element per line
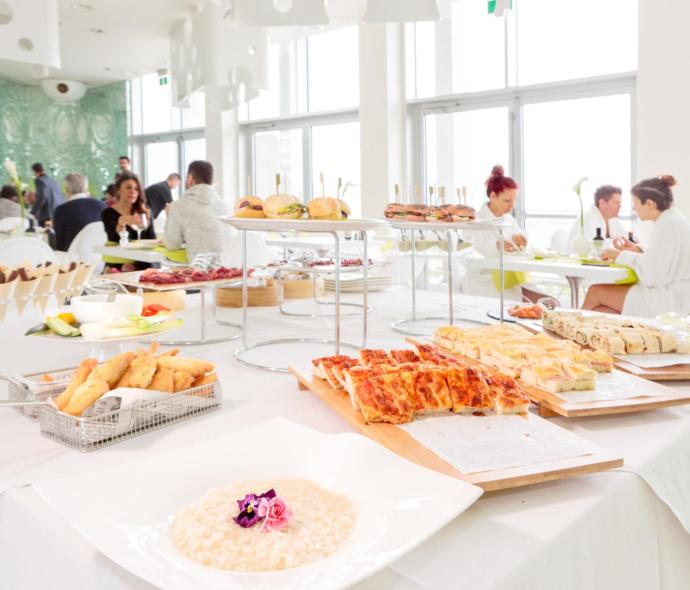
<point>306,225</point>
<point>399,504</point>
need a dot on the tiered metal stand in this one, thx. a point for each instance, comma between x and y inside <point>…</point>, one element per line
<point>404,326</point>
<point>132,280</point>
<point>308,226</point>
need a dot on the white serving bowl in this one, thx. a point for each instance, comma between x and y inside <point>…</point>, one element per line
<point>96,308</point>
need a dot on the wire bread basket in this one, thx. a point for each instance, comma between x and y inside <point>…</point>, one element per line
<point>86,434</point>
<point>32,388</point>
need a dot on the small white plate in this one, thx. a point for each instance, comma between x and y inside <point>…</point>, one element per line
<point>126,511</point>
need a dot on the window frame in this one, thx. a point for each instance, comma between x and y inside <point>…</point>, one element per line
<point>515,98</point>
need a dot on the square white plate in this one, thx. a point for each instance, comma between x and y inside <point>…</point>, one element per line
<point>126,511</point>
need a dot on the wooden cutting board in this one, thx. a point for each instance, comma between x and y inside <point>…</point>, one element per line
<point>402,443</point>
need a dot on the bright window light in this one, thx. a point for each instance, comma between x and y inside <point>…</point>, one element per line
<point>334,70</point>
<point>278,152</point>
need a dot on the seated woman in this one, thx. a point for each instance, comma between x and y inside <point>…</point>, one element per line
<point>663,268</point>
<point>128,212</point>
<point>502,192</point>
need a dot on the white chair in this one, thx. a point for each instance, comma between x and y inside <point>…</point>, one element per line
<point>92,234</point>
<point>257,251</point>
<point>17,251</point>
<point>9,223</point>
<point>560,241</point>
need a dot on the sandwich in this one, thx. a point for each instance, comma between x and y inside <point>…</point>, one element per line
<point>283,207</point>
<point>249,207</point>
<point>328,208</point>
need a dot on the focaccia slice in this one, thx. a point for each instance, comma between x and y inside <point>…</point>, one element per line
<point>386,398</point>
<point>405,356</point>
<point>431,391</point>
<point>372,357</point>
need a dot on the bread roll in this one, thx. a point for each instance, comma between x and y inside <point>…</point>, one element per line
<point>283,207</point>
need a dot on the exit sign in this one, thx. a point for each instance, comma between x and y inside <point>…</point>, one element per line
<point>162,81</point>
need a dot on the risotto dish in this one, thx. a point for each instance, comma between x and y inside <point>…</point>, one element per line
<point>302,523</point>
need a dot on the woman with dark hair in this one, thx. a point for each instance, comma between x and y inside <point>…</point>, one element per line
<point>663,268</point>
<point>129,213</point>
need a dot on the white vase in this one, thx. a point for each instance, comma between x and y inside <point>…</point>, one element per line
<point>582,245</point>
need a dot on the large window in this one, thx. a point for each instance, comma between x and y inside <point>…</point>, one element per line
<point>335,154</point>
<point>306,124</point>
<point>164,139</point>
<point>461,149</point>
<point>545,91</point>
<point>278,152</point>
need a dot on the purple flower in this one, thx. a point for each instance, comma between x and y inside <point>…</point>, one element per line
<point>249,506</point>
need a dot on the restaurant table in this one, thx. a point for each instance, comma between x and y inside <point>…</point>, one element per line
<point>606,530</point>
<point>138,254</point>
<point>573,271</point>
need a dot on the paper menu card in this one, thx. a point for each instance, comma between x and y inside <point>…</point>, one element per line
<point>474,444</point>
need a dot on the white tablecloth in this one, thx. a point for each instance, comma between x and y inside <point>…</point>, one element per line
<point>605,530</point>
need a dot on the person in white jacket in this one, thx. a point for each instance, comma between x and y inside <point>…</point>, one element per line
<point>663,268</point>
<point>502,192</point>
<point>193,219</point>
<point>603,214</point>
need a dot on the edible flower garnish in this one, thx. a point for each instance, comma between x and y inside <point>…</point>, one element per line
<point>275,512</point>
<point>267,508</point>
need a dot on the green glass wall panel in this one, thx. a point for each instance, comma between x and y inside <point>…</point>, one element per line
<point>86,136</point>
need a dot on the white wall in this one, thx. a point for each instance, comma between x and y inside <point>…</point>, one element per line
<point>663,94</point>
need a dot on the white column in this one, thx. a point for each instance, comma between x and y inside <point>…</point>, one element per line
<point>382,114</point>
<point>222,134</point>
<point>663,94</point>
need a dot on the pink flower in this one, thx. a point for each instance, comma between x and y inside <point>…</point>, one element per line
<point>275,512</point>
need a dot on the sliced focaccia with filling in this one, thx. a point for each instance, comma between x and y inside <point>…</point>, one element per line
<point>583,377</point>
<point>405,356</point>
<point>549,376</point>
<point>634,342</point>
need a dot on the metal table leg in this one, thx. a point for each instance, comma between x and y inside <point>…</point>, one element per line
<point>574,283</point>
<point>501,278</point>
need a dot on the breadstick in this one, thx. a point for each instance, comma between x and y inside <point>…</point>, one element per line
<point>195,367</point>
<point>80,375</point>
<point>163,380</point>
<point>182,380</point>
<point>85,395</point>
<point>112,371</point>
<point>143,369</point>
<point>205,380</point>
<point>171,352</point>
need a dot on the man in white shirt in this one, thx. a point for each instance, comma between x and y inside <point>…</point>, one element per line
<point>603,214</point>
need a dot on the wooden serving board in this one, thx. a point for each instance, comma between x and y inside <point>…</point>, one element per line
<point>679,372</point>
<point>402,443</point>
<point>649,396</point>
<point>131,279</point>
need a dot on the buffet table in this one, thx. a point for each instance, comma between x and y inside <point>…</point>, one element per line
<point>605,530</point>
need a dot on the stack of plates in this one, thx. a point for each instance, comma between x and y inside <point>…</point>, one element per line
<point>354,282</point>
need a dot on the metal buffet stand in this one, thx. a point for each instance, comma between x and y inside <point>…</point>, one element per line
<point>131,280</point>
<point>496,225</point>
<point>308,226</point>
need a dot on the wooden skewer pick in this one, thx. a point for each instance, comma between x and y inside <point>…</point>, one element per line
<point>348,183</point>
<point>397,193</point>
<point>323,190</point>
<point>431,195</point>
<point>340,183</point>
<point>278,183</point>
<point>249,184</point>
<point>442,194</point>
<point>457,194</point>
<point>464,195</point>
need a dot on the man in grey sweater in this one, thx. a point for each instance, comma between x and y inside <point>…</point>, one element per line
<point>193,218</point>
